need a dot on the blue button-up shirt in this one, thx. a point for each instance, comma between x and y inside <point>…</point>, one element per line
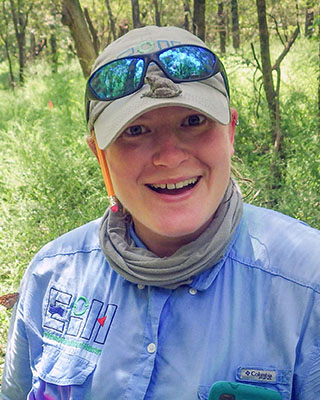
<point>81,331</point>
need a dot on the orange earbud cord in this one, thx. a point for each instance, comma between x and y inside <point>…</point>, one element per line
<point>106,176</point>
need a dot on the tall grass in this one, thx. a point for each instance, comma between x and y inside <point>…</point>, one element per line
<point>50,183</point>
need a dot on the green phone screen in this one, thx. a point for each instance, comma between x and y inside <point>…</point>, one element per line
<point>239,391</point>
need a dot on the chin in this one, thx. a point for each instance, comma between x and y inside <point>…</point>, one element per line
<point>179,228</point>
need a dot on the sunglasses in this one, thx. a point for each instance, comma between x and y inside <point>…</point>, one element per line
<point>124,76</point>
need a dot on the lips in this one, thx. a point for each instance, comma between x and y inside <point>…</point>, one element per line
<point>174,188</point>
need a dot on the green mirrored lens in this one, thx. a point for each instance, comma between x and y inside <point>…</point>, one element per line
<point>118,78</point>
<point>188,62</point>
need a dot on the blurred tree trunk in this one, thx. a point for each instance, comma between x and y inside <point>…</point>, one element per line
<point>4,35</point>
<point>73,17</point>
<point>199,17</point>
<point>20,22</point>
<point>157,13</point>
<point>187,12</point>
<point>92,30</point>
<point>278,161</point>
<point>309,20</point>
<point>222,27</point>
<point>271,95</point>
<point>54,52</point>
<point>6,46</point>
<point>235,24</point>
<point>111,19</point>
<point>136,14</point>
<point>32,51</point>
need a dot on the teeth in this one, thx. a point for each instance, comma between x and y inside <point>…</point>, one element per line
<point>177,185</point>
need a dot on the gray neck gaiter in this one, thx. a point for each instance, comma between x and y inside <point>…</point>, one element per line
<point>141,266</point>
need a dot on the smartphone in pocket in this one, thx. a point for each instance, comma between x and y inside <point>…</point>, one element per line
<point>239,391</point>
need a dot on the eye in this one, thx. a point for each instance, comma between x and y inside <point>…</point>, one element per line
<point>135,130</point>
<point>194,120</point>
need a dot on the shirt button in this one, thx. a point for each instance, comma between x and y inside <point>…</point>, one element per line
<point>193,291</point>
<point>140,286</point>
<point>151,348</point>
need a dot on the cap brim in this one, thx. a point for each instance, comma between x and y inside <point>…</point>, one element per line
<point>198,96</point>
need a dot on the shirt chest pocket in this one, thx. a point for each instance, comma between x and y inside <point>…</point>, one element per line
<point>60,375</point>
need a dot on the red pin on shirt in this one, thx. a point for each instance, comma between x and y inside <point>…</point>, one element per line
<point>102,320</point>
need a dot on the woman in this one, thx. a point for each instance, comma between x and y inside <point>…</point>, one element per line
<point>179,285</point>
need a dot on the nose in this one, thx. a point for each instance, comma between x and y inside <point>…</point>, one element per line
<point>169,150</point>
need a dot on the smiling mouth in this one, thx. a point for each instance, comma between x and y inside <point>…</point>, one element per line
<point>175,188</point>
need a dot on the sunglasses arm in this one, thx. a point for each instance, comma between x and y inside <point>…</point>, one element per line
<point>106,176</point>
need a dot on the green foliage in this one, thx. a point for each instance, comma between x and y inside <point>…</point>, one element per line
<point>299,194</point>
<point>49,181</point>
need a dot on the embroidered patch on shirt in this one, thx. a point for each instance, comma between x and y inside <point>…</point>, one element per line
<point>257,375</point>
<point>77,321</point>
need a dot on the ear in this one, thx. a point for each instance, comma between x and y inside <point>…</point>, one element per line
<point>92,146</point>
<point>232,127</point>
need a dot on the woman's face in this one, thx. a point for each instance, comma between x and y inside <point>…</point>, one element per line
<point>170,169</point>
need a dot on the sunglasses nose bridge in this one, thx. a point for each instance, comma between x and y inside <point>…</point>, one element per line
<point>153,58</point>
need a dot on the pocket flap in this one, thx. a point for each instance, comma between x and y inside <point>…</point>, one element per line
<point>60,368</point>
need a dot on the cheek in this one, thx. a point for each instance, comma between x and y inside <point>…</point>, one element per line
<point>117,166</point>
<point>218,152</point>
<point>124,168</point>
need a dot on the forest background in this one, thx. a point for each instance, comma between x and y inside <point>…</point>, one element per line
<point>49,182</point>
